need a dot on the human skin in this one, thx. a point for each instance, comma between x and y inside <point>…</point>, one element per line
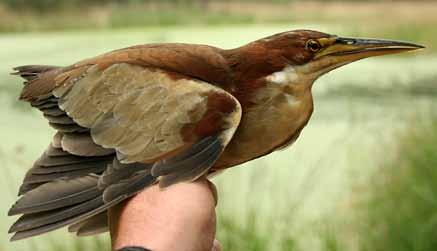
<point>181,217</point>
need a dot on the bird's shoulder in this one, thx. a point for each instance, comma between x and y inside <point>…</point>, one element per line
<point>178,60</point>
<point>203,62</point>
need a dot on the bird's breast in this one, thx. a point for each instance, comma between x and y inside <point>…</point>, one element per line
<point>277,114</point>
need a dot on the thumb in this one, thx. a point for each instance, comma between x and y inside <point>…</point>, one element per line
<point>216,246</point>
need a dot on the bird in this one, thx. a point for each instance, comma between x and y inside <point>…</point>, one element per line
<point>165,113</point>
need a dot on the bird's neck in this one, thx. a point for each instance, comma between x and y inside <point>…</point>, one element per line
<point>276,106</point>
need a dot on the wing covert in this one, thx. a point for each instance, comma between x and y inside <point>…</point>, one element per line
<point>147,114</point>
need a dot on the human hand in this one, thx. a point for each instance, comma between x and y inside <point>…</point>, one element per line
<point>181,217</point>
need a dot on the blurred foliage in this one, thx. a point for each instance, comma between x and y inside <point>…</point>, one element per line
<point>423,87</point>
<point>47,5</point>
<point>409,20</point>
<point>252,235</point>
<point>48,15</point>
<point>401,211</point>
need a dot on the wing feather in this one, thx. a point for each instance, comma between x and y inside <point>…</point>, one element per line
<point>142,112</point>
<point>151,126</point>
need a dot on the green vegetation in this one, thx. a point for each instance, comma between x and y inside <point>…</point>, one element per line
<point>401,211</point>
<point>115,17</point>
<point>362,18</point>
<point>48,5</point>
<point>355,17</point>
<point>395,208</point>
<point>251,236</point>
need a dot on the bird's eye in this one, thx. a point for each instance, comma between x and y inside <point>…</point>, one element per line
<point>313,46</point>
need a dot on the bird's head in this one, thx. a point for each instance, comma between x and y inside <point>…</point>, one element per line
<point>314,53</point>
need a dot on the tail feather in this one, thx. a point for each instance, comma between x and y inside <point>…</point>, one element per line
<point>30,72</point>
<point>39,81</point>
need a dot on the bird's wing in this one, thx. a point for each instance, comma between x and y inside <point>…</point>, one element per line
<point>146,114</point>
<point>121,128</point>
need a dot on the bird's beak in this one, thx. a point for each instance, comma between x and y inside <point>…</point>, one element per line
<point>339,51</point>
<point>352,49</point>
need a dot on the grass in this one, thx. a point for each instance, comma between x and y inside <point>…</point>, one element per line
<point>269,204</point>
<point>401,211</point>
<point>395,207</point>
<point>251,236</point>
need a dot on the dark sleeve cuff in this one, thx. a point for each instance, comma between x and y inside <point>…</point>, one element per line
<point>134,249</point>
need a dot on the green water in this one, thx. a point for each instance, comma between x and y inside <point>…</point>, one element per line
<point>358,110</point>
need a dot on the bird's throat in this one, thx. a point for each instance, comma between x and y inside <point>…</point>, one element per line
<point>278,112</point>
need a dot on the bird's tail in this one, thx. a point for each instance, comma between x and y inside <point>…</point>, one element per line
<point>39,80</point>
<point>56,204</point>
<point>62,189</point>
<point>31,72</point>
<point>75,202</point>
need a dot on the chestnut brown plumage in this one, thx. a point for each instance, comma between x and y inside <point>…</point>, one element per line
<point>167,113</point>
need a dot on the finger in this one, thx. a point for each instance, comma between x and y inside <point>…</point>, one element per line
<point>213,190</point>
<point>216,246</point>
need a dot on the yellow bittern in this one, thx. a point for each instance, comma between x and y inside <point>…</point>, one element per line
<point>168,113</point>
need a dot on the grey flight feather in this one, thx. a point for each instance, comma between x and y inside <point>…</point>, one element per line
<point>83,145</point>
<point>63,119</point>
<point>55,152</point>
<point>117,171</point>
<point>26,187</point>
<point>195,155</point>
<point>94,225</point>
<point>68,128</point>
<point>56,194</point>
<point>30,221</point>
<point>39,102</point>
<point>52,111</point>
<point>123,192</point>
<point>71,167</point>
<point>47,228</point>
<point>40,178</point>
<point>45,105</point>
<point>129,186</point>
<point>49,161</point>
<point>190,165</point>
<point>190,173</point>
